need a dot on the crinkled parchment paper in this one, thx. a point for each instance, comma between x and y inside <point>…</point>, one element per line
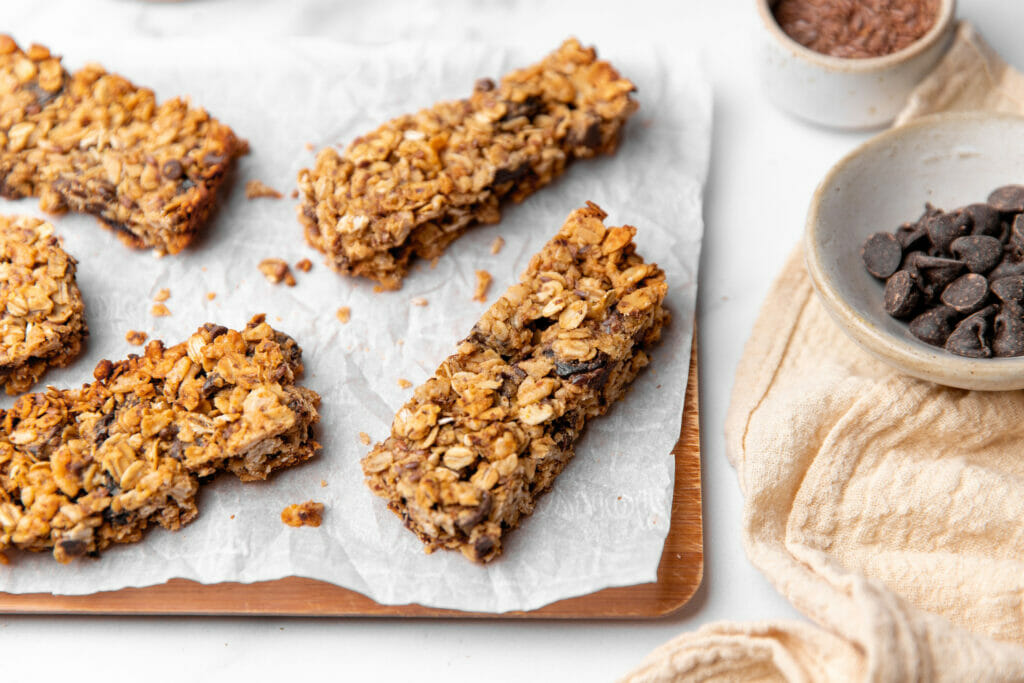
<point>605,521</point>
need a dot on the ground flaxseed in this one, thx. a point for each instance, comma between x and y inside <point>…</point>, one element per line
<point>856,29</point>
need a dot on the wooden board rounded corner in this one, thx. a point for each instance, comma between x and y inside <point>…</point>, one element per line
<point>680,573</point>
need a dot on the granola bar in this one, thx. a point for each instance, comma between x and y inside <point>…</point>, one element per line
<point>419,181</point>
<point>81,469</point>
<point>41,320</point>
<point>92,142</point>
<point>477,444</point>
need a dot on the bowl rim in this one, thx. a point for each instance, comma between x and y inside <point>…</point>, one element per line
<point>936,365</point>
<point>943,21</point>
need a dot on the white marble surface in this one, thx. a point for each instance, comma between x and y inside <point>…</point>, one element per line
<point>764,168</point>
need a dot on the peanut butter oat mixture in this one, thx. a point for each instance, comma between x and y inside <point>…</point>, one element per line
<point>81,469</point>
<point>41,319</point>
<point>92,142</point>
<point>411,187</point>
<point>477,444</point>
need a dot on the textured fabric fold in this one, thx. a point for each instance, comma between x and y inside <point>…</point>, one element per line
<point>888,510</point>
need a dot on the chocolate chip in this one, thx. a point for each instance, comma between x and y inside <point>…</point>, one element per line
<point>172,169</point>
<point>966,294</point>
<point>507,175</point>
<point>936,270</point>
<point>971,337</point>
<point>1010,290</point>
<point>568,368</point>
<point>981,253</point>
<point>215,330</point>
<point>934,325</point>
<point>945,228</point>
<point>588,136</point>
<point>902,295</point>
<point>1007,268</point>
<point>1009,332</point>
<point>474,516</point>
<point>71,548</point>
<point>483,546</point>
<point>1015,243</point>
<point>529,108</point>
<point>984,220</point>
<point>1008,199</point>
<point>484,85</point>
<point>912,236</point>
<point>882,254</point>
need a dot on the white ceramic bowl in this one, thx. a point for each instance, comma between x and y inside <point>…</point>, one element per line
<point>846,93</point>
<point>950,160</point>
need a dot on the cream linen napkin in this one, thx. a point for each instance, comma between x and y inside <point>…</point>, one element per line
<point>887,509</point>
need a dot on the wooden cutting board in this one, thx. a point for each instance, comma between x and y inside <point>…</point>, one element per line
<point>679,573</point>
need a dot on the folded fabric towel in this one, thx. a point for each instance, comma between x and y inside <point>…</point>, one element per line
<point>889,510</point>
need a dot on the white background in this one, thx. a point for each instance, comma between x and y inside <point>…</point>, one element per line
<point>764,168</point>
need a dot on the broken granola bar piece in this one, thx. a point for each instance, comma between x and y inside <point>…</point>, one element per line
<point>41,319</point>
<point>477,444</point>
<point>309,513</point>
<point>411,187</point>
<point>81,469</point>
<point>93,142</point>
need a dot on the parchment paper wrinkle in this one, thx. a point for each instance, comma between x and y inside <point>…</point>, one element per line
<point>889,510</point>
<point>605,521</point>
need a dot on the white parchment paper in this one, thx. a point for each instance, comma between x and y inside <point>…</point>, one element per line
<point>604,522</point>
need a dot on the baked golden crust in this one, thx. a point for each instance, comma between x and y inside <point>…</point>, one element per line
<point>41,310</point>
<point>477,444</point>
<point>411,187</point>
<point>92,142</point>
<point>81,469</point>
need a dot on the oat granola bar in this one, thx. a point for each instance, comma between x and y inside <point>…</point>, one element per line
<point>41,320</point>
<point>92,142</point>
<point>419,181</point>
<point>81,469</point>
<point>477,444</point>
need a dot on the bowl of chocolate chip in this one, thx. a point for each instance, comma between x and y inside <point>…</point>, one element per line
<point>915,245</point>
<point>850,64</point>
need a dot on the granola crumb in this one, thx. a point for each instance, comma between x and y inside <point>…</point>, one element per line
<point>497,244</point>
<point>344,314</point>
<point>162,295</point>
<point>483,283</point>
<point>323,483</point>
<point>276,270</point>
<point>377,289</point>
<point>404,383</point>
<point>160,311</point>
<point>231,517</point>
<point>310,146</point>
<point>135,337</point>
<point>210,296</point>
<point>294,194</point>
<point>305,265</point>
<point>419,301</point>
<point>364,438</point>
<point>303,514</point>
<point>255,189</point>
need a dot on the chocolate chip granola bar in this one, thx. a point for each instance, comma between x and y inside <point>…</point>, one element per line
<point>92,142</point>
<point>419,181</point>
<point>477,444</point>
<point>81,469</point>
<point>41,320</point>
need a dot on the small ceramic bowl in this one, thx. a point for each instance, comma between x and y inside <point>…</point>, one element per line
<point>846,93</point>
<point>950,160</point>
